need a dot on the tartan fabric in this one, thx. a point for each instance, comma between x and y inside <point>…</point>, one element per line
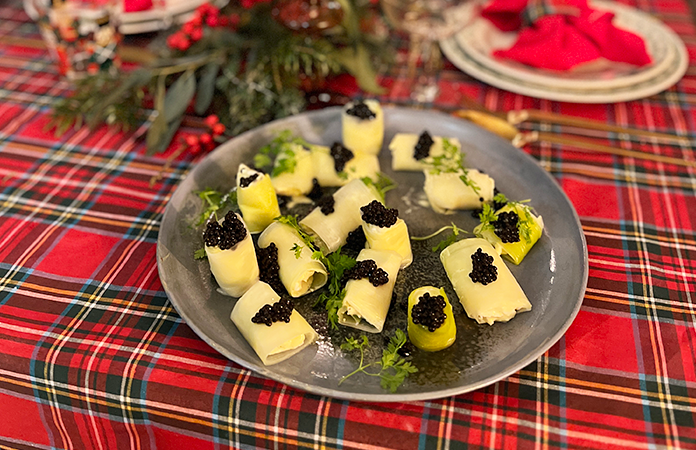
<point>93,356</point>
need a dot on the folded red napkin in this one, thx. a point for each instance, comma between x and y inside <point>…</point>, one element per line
<point>136,5</point>
<point>560,34</point>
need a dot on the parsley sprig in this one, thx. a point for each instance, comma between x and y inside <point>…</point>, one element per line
<point>267,154</point>
<point>449,240</point>
<point>214,201</point>
<point>381,185</point>
<point>489,215</point>
<point>451,161</point>
<point>393,368</point>
<point>336,264</point>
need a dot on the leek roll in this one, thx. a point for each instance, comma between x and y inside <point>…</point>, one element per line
<point>257,200</point>
<point>446,191</point>
<point>529,229</point>
<point>394,237</point>
<point>419,335</point>
<point>359,166</point>
<point>293,171</point>
<point>363,135</point>
<point>403,145</point>
<point>332,230</point>
<point>299,272</point>
<point>279,341</point>
<point>365,306</point>
<point>235,269</point>
<point>497,301</point>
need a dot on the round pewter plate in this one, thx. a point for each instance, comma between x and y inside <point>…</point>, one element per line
<point>553,275</point>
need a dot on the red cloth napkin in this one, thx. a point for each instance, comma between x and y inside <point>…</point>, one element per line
<point>571,33</point>
<point>136,5</point>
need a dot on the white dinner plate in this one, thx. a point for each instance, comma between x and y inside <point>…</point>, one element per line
<point>601,82</point>
<point>553,275</point>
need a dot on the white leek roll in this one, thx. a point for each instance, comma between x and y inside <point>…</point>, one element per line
<point>447,192</point>
<point>332,230</point>
<point>361,165</point>
<point>257,201</point>
<point>394,238</point>
<point>293,171</point>
<point>363,135</point>
<point>279,341</point>
<point>235,269</point>
<point>365,306</point>
<point>402,148</point>
<point>497,301</point>
<point>298,271</point>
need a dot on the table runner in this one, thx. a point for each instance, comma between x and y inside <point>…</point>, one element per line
<point>93,356</point>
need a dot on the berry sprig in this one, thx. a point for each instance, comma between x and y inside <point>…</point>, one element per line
<point>206,15</point>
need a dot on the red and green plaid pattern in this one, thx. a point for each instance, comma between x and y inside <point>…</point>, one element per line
<point>93,356</point>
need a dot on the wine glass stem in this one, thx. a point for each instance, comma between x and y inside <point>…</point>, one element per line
<point>424,87</point>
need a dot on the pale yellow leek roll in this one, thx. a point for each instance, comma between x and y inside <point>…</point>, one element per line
<point>332,230</point>
<point>234,269</point>
<point>299,272</point>
<point>497,301</point>
<point>447,192</point>
<point>363,135</point>
<point>394,238</point>
<point>281,340</point>
<point>365,306</point>
<point>514,251</point>
<point>257,202</point>
<point>293,171</point>
<point>402,148</point>
<point>360,166</point>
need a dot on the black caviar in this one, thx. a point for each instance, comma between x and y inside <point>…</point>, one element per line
<point>246,181</point>
<point>269,270</point>
<point>483,270</point>
<point>355,240</point>
<point>422,148</point>
<point>340,155</point>
<point>361,111</point>
<point>227,235</point>
<point>316,192</point>
<point>429,311</point>
<point>367,268</point>
<point>506,226</point>
<point>326,204</point>
<point>280,311</point>
<point>376,213</point>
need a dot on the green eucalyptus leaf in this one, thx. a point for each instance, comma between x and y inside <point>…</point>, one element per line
<point>165,138</point>
<point>356,61</point>
<point>133,80</point>
<point>179,96</point>
<point>206,87</point>
<point>155,133</point>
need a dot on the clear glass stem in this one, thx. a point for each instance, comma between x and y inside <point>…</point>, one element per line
<point>423,81</point>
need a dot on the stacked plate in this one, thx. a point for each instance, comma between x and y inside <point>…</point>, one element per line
<point>598,82</point>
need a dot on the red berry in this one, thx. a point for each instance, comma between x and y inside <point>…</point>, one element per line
<point>194,149</point>
<point>223,21</point>
<point>212,21</point>
<point>218,129</point>
<point>196,19</point>
<point>196,34</point>
<point>206,139</point>
<point>191,140</point>
<point>211,120</point>
<point>188,27</point>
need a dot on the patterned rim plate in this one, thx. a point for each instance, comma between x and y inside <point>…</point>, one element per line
<point>481,38</point>
<point>554,274</point>
<point>509,80</point>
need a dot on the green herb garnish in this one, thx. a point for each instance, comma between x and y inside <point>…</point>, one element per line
<point>451,239</point>
<point>393,367</point>
<point>292,221</point>
<point>214,201</point>
<point>200,254</point>
<point>336,264</point>
<point>381,185</point>
<point>451,161</point>
<point>267,154</point>
<point>297,249</point>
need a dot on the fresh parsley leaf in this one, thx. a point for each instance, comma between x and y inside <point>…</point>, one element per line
<point>393,367</point>
<point>297,249</point>
<point>381,185</point>
<point>214,201</point>
<point>200,254</point>
<point>306,238</point>
<point>267,154</point>
<point>286,162</point>
<point>336,264</point>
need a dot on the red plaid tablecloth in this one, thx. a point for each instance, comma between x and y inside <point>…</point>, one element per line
<point>93,356</point>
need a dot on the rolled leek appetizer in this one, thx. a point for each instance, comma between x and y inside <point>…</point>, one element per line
<point>293,171</point>
<point>512,230</point>
<point>332,229</point>
<point>231,254</point>
<point>485,286</point>
<point>384,230</point>
<point>413,152</point>
<point>336,166</point>
<point>369,290</point>
<point>256,198</point>
<point>270,325</point>
<point>463,189</point>
<point>363,126</point>
<point>299,272</point>
<point>431,325</point>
